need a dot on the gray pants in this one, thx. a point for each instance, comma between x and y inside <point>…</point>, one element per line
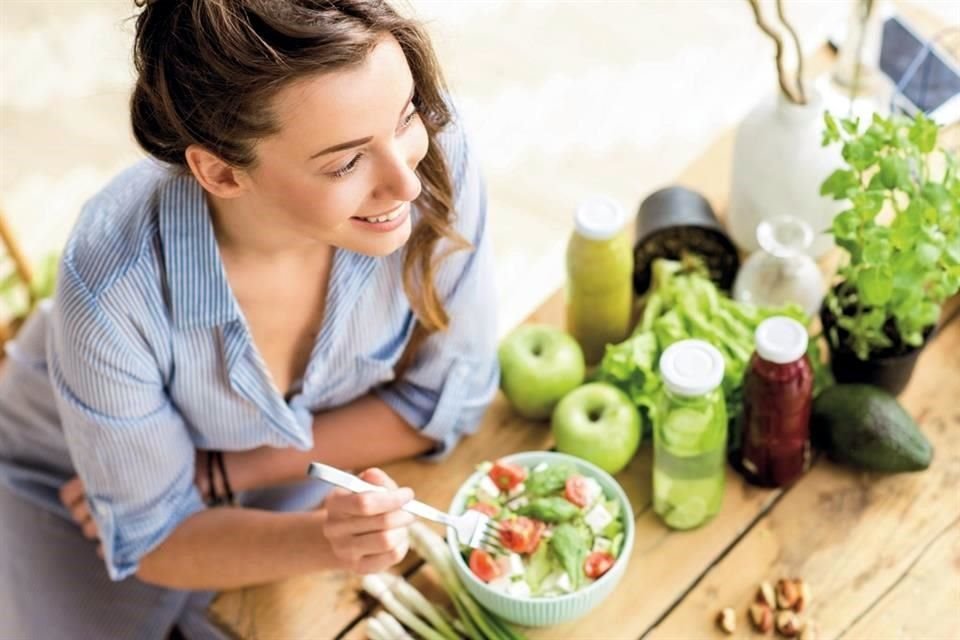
<point>53,585</point>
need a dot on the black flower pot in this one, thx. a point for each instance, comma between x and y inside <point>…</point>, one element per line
<point>890,370</point>
<point>676,221</point>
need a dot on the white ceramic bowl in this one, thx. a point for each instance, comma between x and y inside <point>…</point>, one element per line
<point>542,611</point>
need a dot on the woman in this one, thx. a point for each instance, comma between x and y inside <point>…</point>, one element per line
<point>302,272</point>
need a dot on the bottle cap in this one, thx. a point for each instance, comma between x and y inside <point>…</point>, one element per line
<point>781,340</point>
<point>691,367</point>
<point>599,218</point>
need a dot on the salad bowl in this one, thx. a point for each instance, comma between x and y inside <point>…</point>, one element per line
<point>566,564</point>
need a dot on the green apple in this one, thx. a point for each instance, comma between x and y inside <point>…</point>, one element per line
<point>539,364</point>
<point>599,423</point>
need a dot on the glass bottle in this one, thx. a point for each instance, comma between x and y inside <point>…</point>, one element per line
<point>778,393</point>
<point>690,435</point>
<point>599,277</point>
<point>782,271</point>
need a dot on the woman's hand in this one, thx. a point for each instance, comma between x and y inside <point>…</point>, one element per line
<point>75,500</point>
<point>368,531</point>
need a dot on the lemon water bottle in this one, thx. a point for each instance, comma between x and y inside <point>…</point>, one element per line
<point>689,435</point>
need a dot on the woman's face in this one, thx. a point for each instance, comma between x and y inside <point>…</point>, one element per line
<point>341,170</point>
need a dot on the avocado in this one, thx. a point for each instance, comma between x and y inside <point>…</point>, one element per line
<point>866,427</point>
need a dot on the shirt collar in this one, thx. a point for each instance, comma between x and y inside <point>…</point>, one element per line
<point>200,294</point>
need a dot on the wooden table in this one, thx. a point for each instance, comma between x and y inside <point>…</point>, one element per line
<point>882,553</point>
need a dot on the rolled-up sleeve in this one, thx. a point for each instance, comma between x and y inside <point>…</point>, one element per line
<point>128,443</point>
<point>455,375</point>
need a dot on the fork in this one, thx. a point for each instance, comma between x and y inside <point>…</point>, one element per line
<point>474,529</point>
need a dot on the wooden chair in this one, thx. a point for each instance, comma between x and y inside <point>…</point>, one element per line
<point>13,261</point>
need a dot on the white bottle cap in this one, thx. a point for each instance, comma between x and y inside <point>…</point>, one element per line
<point>781,340</point>
<point>691,367</point>
<point>599,218</point>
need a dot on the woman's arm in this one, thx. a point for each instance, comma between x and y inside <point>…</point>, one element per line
<point>364,433</point>
<point>228,548</point>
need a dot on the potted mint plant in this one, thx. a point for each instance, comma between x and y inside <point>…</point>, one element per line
<point>901,236</point>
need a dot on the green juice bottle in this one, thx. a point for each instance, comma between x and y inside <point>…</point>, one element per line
<point>599,291</point>
<point>689,435</point>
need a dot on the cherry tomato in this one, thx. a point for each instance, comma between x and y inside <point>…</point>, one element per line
<point>598,563</point>
<point>486,508</point>
<point>483,565</point>
<point>521,534</point>
<point>507,476</point>
<point>539,528</point>
<point>576,491</point>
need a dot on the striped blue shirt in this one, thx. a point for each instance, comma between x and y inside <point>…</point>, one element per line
<point>144,356</point>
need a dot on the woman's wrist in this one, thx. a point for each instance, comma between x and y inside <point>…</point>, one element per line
<point>254,469</point>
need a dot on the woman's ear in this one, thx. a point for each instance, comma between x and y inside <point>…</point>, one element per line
<point>213,174</point>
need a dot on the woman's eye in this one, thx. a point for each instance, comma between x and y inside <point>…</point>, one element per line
<point>408,119</point>
<point>347,168</point>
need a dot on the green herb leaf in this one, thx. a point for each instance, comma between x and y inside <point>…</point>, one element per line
<point>868,204</point>
<point>894,173</point>
<point>923,133</point>
<point>831,132</point>
<point>851,125</point>
<point>839,184</point>
<point>859,154</point>
<point>875,286</point>
<point>927,254</point>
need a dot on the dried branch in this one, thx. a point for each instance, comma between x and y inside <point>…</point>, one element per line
<point>796,43</point>
<point>781,76</point>
<point>19,259</point>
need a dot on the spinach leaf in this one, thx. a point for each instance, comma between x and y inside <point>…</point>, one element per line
<point>554,509</point>
<point>547,481</point>
<point>569,544</point>
<point>538,567</point>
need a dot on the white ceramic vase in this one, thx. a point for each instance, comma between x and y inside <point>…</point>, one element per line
<point>778,166</point>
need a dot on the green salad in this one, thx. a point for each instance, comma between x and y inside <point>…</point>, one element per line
<point>559,530</point>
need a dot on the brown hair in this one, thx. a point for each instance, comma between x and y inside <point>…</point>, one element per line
<point>208,68</point>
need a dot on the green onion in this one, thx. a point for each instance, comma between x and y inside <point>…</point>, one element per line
<point>480,624</point>
<point>376,587</point>
<point>376,630</point>
<point>397,632</point>
<point>414,600</point>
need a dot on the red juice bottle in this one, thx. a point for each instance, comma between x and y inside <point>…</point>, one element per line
<point>777,392</point>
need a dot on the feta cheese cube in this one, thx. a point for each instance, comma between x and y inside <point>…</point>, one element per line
<point>563,584</point>
<point>602,544</point>
<point>520,589</point>
<point>501,584</point>
<point>488,489</point>
<point>517,490</point>
<point>598,518</point>
<point>550,583</point>
<point>540,467</point>
<point>515,567</point>
<point>518,503</point>
<point>593,490</point>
